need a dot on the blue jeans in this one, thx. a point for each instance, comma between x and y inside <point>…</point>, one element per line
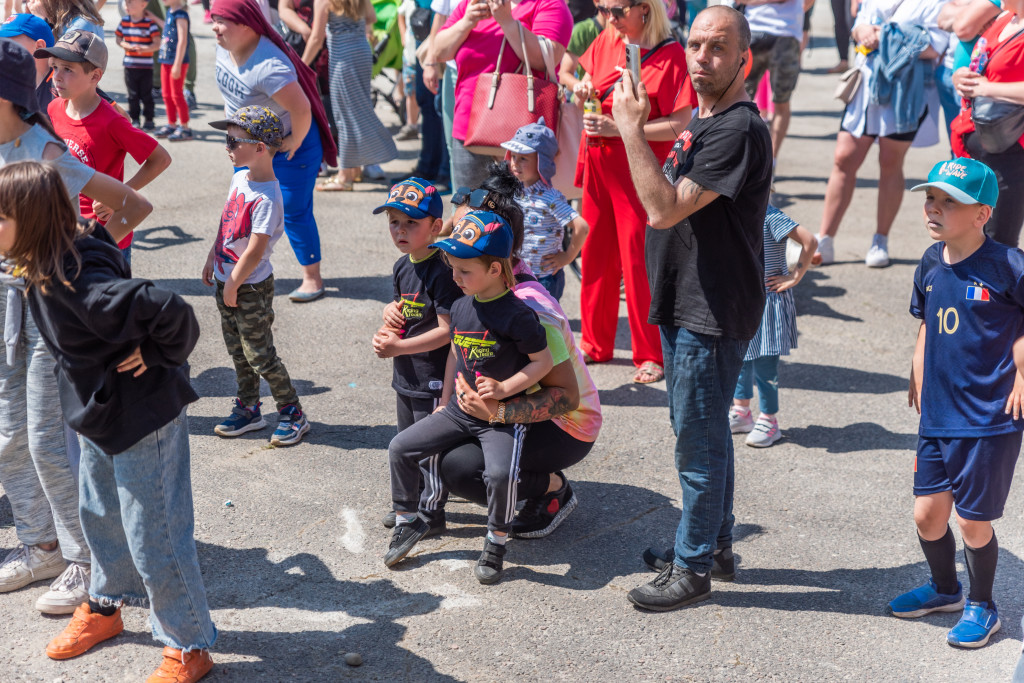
<point>446,94</point>
<point>554,283</point>
<point>948,98</point>
<point>700,374</point>
<point>765,370</point>
<point>136,510</point>
<point>433,162</point>
<point>298,179</point>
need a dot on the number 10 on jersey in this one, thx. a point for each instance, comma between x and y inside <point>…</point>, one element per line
<point>949,320</point>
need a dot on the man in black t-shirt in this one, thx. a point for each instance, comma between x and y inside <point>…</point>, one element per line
<point>705,213</point>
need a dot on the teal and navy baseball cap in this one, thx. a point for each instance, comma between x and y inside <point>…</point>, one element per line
<point>965,180</point>
<point>415,197</point>
<point>479,233</point>
<point>27,25</point>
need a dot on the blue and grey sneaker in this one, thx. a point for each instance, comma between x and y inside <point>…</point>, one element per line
<point>290,428</point>
<point>979,621</point>
<point>925,600</point>
<point>241,420</point>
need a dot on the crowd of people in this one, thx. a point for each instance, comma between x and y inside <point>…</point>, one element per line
<point>494,398</point>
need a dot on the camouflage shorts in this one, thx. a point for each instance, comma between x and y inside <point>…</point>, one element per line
<point>782,58</point>
<point>249,336</point>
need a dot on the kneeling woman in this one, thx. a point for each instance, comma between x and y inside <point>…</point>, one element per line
<point>564,415</point>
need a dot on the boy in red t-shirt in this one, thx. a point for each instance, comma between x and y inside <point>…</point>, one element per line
<point>91,127</point>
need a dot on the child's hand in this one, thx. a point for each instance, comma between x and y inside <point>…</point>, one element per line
<point>133,362</point>
<point>176,71</point>
<point>555,262</point>
<point>208,273</point>
<point>1015,403</point>
<point>102,211</point>
<point>393,317</point>
<point>914,393</point>
<point>385,342</point>
<point>780,283</point>
<point>230,295</point>
<point>489,388</point>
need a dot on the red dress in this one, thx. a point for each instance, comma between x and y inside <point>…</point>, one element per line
<point>614,248</point>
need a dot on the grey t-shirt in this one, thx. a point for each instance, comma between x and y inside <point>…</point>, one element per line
<point>30,146</point>
<point>256,82</point>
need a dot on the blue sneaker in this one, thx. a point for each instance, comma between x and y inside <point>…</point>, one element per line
<point>290,428</point>
<point>241,420</point>
<point>925,600</point>
<point>976,626</point>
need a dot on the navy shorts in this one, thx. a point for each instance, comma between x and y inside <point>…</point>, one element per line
<point>977,470</point>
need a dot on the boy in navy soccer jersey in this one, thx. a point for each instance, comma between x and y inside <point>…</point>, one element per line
<point>969,295</point>
<point>416,323</point>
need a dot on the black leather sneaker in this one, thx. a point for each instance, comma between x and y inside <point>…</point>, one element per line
<point>723,564</point>
<point>488,567</point>
<point>674,587</point>
<point>406,536</point>
<point>540,516</point>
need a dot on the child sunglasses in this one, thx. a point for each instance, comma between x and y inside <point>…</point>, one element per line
<point>232,143</point>
<point>477,198</point>
<point>618,13</point>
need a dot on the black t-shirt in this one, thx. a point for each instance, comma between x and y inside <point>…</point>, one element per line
<point>494,337</point>
<point>423,289</point>
<point>707,272</point>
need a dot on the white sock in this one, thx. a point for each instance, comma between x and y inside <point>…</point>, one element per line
<point>496,539</point>
<point>405,517</point>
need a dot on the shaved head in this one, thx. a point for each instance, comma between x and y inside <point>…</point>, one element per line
<point>732,18</point>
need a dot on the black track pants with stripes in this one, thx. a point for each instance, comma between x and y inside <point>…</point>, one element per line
<point>418,447</point>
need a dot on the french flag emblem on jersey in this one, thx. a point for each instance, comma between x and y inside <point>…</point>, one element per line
<point>977,294</point>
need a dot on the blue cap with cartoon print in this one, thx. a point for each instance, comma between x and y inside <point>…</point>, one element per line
<point>414,197</point>
<point>479,233</point>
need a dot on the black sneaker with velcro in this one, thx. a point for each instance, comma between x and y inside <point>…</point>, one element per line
<point>488,568</point>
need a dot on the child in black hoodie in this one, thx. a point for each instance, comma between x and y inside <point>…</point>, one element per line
<point>122,347</point>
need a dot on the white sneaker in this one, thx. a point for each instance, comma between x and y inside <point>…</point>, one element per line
<point>741,420</point>
<point>878,254</point>
<point>373,172</point>
<point>67,592</point>
<point>826,252</point>
<point>27,564</point>
<point>765,433</point>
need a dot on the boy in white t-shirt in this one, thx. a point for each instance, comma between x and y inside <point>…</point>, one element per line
<point>252,222</point>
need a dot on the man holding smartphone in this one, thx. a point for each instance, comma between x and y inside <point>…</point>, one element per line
<point>703,252</point>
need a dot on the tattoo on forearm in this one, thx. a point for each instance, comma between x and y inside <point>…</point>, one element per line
<point>692,192</point>
<point>537,407</point>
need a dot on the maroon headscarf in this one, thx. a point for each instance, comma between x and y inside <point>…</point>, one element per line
<point>248,13</point>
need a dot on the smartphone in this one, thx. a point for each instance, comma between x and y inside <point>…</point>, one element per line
<point>633,63</point>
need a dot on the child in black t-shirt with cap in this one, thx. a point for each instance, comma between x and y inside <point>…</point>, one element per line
<point>499,343</point>
<point>416,324</point>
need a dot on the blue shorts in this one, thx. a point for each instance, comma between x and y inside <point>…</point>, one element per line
<point>977,470</point>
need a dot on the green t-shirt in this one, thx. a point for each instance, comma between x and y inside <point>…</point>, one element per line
<point>583,34</point>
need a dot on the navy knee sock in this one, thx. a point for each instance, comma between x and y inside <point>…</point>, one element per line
<point>981,568</point>
<point>941,557</point>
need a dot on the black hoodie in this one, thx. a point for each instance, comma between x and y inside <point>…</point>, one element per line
<point>97,323</point>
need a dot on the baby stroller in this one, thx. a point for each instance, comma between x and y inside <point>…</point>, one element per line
<point>387,54</point>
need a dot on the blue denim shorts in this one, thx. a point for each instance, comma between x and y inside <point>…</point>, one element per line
<point>977,470</point>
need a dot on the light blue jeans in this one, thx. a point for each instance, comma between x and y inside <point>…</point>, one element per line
<point>764,370</point>
<point>34,468</point>
<point>137,515</point>
<point>700,374</point>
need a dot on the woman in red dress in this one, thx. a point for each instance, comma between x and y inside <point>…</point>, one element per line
<point>614,249</point>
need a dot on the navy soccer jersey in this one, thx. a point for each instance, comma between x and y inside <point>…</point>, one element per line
<point>423,289</point>
<point>494,337</point>
<point>973,312</point>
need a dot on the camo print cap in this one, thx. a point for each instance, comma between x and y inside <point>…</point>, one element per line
<point>259,122</point>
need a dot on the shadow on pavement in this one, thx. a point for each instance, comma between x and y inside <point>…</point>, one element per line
<point>303,582</point>
<point>357,287</point>
<point>153,239</point>
<point>632,394</point>
<point>807,297</point>
<point>861,436</point>
<point>839,379</point>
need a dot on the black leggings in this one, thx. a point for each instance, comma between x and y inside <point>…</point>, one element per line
<point>546,449</point>
<point>843,25</point>
<point>1008,215</point>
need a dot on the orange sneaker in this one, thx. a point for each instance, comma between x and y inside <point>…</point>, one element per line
<point>85,630</point>
<point>179,667</point>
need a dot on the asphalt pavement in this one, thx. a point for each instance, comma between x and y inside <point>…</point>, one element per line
<point>293,564</point>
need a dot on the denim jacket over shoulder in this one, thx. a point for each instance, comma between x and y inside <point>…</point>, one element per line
<point>899,77</point>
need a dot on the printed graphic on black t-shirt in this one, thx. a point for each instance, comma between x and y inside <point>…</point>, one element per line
<point>495,338</point>
<point>423,289</point>
<point>707,272</point>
